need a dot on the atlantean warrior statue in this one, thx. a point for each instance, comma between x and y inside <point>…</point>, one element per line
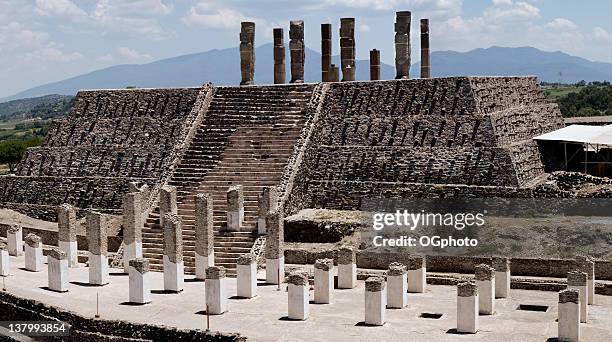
<point>402,44</point>
<point>247,52</point>
<point>347,48</point>
<point>296,45</point>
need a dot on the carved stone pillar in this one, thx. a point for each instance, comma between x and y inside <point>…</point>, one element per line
<point>247,52</point>
<point>402,44</point>
<point>279,56</point>
<point>347,48</point>
<point>375,65</point>
<point>326,51</point>
<point>425,66</point>
<point>296,46</point>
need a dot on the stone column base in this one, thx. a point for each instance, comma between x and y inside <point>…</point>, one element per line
<point>131,251</point>
<point>375,306</point>
<point>275,270</point>
<point>347,276</point>
<point>202,263</point>
<point>33,258</point>
<point>98,269</point>
<point>502,284</point>
<point>397,295</point>
<point>583,301</point>
<point>58,274</point>
<point>298,300</point>
<point>569,322</point>
<point>417,280</point>
<point>246,278</point>
<point>174,275</point>
<point>140,287</point>
<point>324,286</point>
<point>486,296</point>
<point>4,263</point>
<point>15,243</point>
<point>216,300</point>
<point>467,314</point>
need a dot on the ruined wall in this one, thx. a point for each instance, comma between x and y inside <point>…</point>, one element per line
<point>444,137</point>
<point>109,139</point>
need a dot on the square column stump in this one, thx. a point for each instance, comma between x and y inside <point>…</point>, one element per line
<point>417,274</point>
<point>235,208</point>
<point>375,301</point>
<point>502,277</point>
<point>140,284</point>
<point>347,268</point>
<point>298,296</point>
<point>275,259</point>
<point>587,266</point>
<point>216,300</point>
<point>67,241</point>
<point>33,253</point>
<point>578,281</point>
<point>323,280</point>
<point>174,270</point>
<point>4,260</point>
<point>268,201</point>
<point>467,308</point>
<point>569,316</point>
<point>133,221</point>
<point>97,229</point>
<point>204,234</point>
<point>485,280</point>
<point>58,270</point>
<point>397,285</point>
<point>14,237</point>
<point>246,276</point>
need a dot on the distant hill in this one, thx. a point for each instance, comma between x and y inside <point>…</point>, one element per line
<point>221,67</point>
<point>43,107</point>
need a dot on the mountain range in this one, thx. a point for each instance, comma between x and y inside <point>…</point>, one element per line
<point>222,67</point>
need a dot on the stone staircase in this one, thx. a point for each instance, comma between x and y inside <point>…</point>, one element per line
<point>246,139</point>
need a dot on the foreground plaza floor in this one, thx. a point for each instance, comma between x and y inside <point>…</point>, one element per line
<point>264,318</point>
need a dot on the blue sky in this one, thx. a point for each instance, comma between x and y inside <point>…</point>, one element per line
<point>43,41</point>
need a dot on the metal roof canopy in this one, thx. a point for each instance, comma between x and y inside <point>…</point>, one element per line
<point>596,135</point>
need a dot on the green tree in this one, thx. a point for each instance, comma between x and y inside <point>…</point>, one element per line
<point>11,152</point>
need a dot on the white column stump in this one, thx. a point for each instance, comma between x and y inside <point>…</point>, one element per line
<point>275,259</point>
<point>58,270</point>
<point>298,296</point>
<point>267,201</point>
<point>235,208</point>
<point>569,316</point>
<point>14,237</point>
<point>587,266</point>
<point>4,260</point>
<point>467,308</point>
<point>67,233</point>
<point>485,281</point>
<point>577,280</point>
<point>216,300</point>
<point>97,240</point>
<point>33,253</point>
<point>174,270</point>
<point>323,281</point>
<point>347,268</point>
<point>397,286</point>
<point>140,286</point>
<point>417,274</point>
<point>204,235</point>
<point>133,221</point>
<point>246,276</point>
<point>375,301</point>
<point>502,277</point>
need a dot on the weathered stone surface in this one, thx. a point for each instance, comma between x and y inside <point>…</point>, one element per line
<point>98,225</point>
<point>247,52</point>
<point>501,264</point>
<point>33,240</point>
<point>57,254</point>
<point>374,65</point>
<point>416,262</point>
<point>466,289</point>
<point>569,296</point>
<point>297,49</point>
<point>334,73</point>
<point>133,219</point>
<point>484,272</point>
<point>268,201</point>
<point>279,56</point>
<point>324,264</point>
<point>246,259</point>
<point>326,51</point>
<point>215,272</point>
<point>346,255</point>
<point>3,246</point>
<point>375,284</point>
<point>425,63</point>
<point>14,228</point>
<point>173,237</point>
<point>396,269</point>
<point>140,264</point>
<point>275,239</point>
<point>576,278</point>
<point>402,44</point>
<point>204,229</point>
<point>298,278</point>
<point>235,198</point>
<point>66,223</point>
<point>347,48</point>
<point>167,200</point>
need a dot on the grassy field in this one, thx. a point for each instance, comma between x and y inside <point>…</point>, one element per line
<point>556,92</point>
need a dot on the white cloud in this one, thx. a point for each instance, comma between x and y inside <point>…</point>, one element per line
<point>364,28</point>
<point>210,15</point>
<point>59,8</point>
<point>134,8</point>
<point>53,53</point>
<point>132,55</point>
<point>512,11</point>
<point>600,34</point>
